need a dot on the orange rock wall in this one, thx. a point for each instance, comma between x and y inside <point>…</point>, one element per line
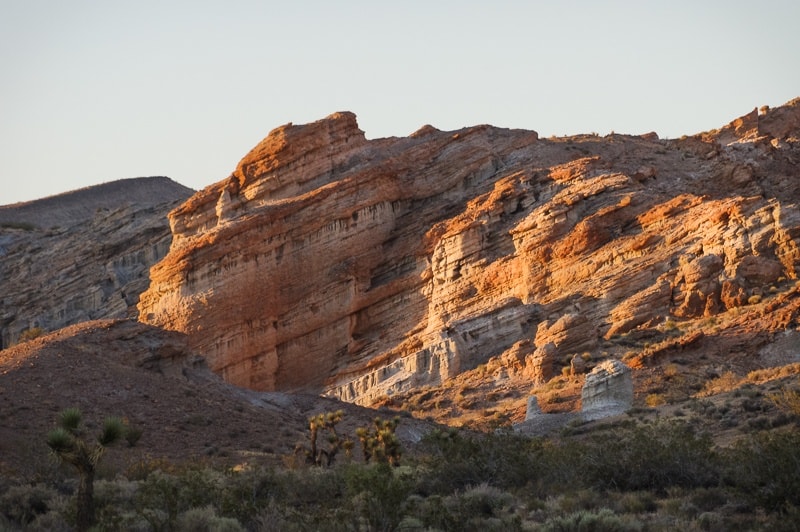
<point>332,263</point>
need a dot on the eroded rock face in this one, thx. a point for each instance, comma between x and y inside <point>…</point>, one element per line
<point>607,391</point>
<point>83,255</point>
<point>359,268</point>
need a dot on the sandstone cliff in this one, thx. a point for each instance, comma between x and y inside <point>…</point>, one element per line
<point>82,255</point>
<point>331,263</point>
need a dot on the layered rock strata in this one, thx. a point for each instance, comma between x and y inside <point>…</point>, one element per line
<point>607,391</point>
<point>331,263</point>
<point>83,255</point>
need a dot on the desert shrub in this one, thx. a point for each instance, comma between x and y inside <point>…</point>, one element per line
<point>710,521</point>
<point>651,457</point>
<point>163,496</point>
<point>454,461</point>
<point>312,499</point>
<point>724,383</point>
<point>205,519</point>
<point>30,334</point>
<point>114,505</point>
<point>765,469</point>
<point>21,504</point>
<point>635,502</point>
<point>588,521</point>
<point>483,508</point>
<point>767,374</point>
<point>576,500</point>
<point>247,492</point>
<point>655,399</point>
<point>433,512</point>
<point>378,493</point>
<point>53,521</point>
<point>313,487</point>
<point>483,501</point>
<point>132,435</point>
<point>708,499</point>
<point>788,400</point>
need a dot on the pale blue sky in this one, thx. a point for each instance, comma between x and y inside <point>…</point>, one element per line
<point>92,91</point>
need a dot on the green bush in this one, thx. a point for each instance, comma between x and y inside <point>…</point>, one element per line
<point>378,493</point>
<point>163,496</point>
<point>483,508</point>
<point>455,461</point>
<point>765,469</point>
<point>22,504</point>
<point>588,521</point>
<point>651,457</point>
<point>205,519</point>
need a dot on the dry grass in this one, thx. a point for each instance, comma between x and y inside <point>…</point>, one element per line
<point>726,382</point>
<point>761,376</point>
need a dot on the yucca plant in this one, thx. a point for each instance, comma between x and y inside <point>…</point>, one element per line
<point>68,444</point>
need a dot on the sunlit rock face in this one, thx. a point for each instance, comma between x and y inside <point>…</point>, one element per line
<point>358,268</point>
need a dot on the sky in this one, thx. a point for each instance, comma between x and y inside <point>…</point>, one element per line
<point>94,91</point>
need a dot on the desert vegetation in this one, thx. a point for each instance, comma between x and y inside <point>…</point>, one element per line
<point>630,474</point>
<point>70,444</point>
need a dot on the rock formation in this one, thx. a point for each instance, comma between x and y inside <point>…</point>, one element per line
<point>359,268</point>
<point>607,391</point>
<point>82,255</point>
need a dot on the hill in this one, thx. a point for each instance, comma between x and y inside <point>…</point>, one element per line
<point>150,377</point>
<point>81,255</point>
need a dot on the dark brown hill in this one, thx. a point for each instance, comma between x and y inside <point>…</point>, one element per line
<point>151,378</point>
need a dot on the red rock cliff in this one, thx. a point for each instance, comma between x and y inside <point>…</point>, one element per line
<point>331,263</point>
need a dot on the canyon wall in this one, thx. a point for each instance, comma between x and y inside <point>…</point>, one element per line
<point>359,268</point>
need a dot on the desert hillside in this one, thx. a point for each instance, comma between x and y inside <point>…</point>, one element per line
<point>82,255</point>
<point>571,333</point>
<point>148,376</point>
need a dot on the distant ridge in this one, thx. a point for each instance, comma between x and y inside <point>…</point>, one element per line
<point>70,208</point>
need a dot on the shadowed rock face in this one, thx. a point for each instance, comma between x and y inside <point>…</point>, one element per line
<point>331,263</point>
<point>82,255</point>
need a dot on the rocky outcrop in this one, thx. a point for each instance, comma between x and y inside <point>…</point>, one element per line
<point>607,391</point>
<point>359,268</point>
<point>83,255</point>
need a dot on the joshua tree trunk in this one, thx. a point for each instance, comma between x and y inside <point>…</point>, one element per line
<point>85,518</point>
<point>67,443</point>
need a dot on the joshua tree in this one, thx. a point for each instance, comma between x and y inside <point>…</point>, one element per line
<point>68,444</point>
<point>316,454</point>
<point>380,442</point>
